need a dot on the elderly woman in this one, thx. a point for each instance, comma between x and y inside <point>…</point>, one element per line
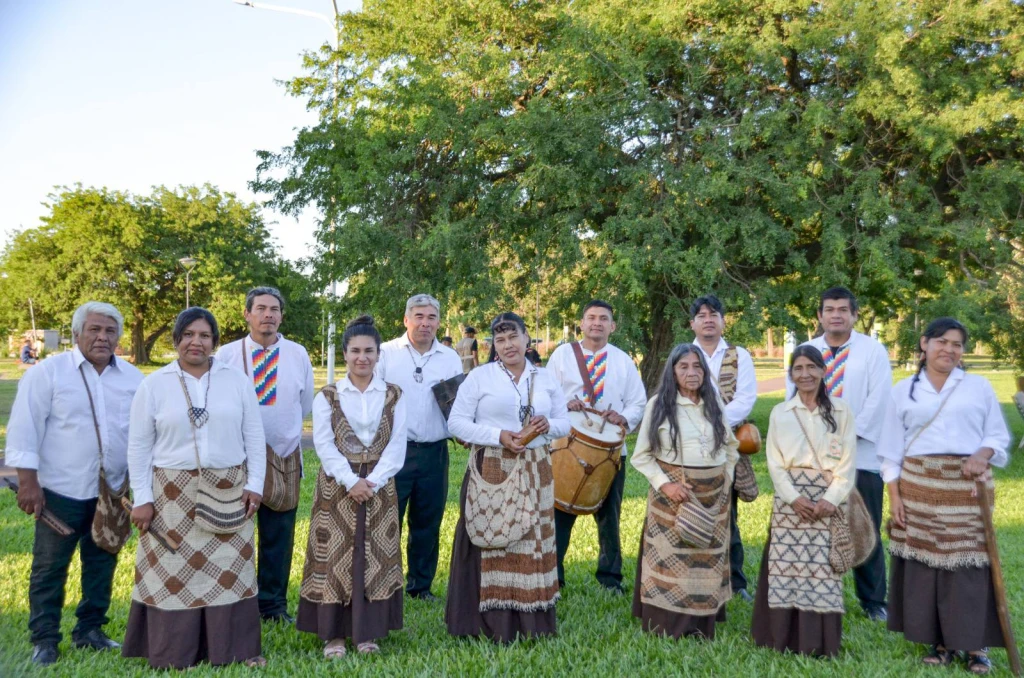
<point>352,583</point>
<point>196,459</point>
<point>687,452</point>
<point>944,430</point>
<point>504,572</point>
<point>810,451</point>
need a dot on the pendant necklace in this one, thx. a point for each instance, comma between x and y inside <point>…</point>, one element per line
<point>525,411</point>
<point>418,372</point>
<point>704,439</point>
<point>198,416</point>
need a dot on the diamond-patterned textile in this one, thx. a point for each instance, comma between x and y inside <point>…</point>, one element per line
<point>597,367</point>
<point>330,550</point>
<point>835,369</point>
<point>673,575</point>
<point>799,573</point>
<point>265,362</point>
<point>207,570</point>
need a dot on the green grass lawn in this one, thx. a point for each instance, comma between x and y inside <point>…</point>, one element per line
<point>597,637</point>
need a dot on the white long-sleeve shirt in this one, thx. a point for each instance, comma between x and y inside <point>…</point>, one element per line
<point>51,427</point>
<point>745,397</point>
<point>623,389</point>
<point>397,365</point>
<point>488,403</point>
<point>972,419</point>
<point>364,410</point>
<point>867,383</point>
<point>160,434</point>
<point>282,421</point>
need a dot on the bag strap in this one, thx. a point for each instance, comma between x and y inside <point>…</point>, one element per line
<point>92,408</point>
<point>807,436</point>
<point>934,417</point>
<point>188,401</point>
<point>581,362</point>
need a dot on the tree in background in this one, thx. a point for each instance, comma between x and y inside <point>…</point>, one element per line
<point>124,249</point>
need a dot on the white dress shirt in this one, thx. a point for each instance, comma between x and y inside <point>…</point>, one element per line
<point>51,427</point>
<point>970,420</point>
<point>623,389</point>
<point>161,433</point>
<point>282,421</point>
<point>867,382</point>
<point>488,403</point>
<point>363,409</point>
<point>743,400</point>
<point>398,362</point>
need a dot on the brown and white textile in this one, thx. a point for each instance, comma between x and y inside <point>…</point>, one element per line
<point>207,570</point>
<point>677,577</point>
<point>523,576</point>
<point>728,373</point>
<point>799,573</point>
<point>944,526</point>
<point>330,551</point>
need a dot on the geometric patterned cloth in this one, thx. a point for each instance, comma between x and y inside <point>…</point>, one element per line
<point>835,369</point>
<point>728,373</point>
<point>327,577</point>
<point>678,577</point>
<point>207,570</point>
<point>597,366</point>
<point>264,373</point>
<point>799,573</point>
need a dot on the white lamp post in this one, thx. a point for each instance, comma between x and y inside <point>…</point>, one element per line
<point>188,263</point>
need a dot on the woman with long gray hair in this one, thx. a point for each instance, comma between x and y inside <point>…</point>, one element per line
<point>688,453</point>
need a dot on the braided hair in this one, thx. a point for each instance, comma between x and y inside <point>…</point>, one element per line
<point>935,329</point>
<point>821,397</point>
<point>665,405</point>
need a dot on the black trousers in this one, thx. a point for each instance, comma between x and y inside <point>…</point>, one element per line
<point>422,486</point>
<point>276,531</point>
<point>869,578</point>
<point>736,576</point>
<point>609,559</point>
<point>51,557</point>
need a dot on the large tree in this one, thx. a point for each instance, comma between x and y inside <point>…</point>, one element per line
<point>648,152</point>
<point>123,248</point>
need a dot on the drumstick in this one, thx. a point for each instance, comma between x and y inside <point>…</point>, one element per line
<point>164,540</point>
<point>999,587</point>
<point>46,515</point>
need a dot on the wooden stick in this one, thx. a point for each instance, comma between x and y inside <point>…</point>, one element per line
<point>165,541</point>
<point>1002,608</point>
<point>46,515</point>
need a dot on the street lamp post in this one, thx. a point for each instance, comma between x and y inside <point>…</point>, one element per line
<point>331,328</point>
<point>188,263</point>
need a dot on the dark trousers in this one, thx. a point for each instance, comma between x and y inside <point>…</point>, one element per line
<point>736,576</point>
<point>51,556</point>
<point>609,559</point>
<point>276,531</point>
<point>870,577</point>
<point>422,486</point>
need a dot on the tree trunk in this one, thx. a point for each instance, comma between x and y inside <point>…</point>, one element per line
<point>140,355</point>
<point>658,343</point>
<point>151,339</point>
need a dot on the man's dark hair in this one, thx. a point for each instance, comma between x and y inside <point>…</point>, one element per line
<point>469,330</point>
<point>259,292</point>
<point>189,316</point>
<point>709,300</point>
<point>836,294</point>
<point>598,303</point>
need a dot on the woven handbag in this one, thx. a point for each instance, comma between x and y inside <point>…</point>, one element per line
<point>696,524</point>
<point>219,505</point>
<point>281,485</point>
<point>498,514</point>
<point>744,480</point>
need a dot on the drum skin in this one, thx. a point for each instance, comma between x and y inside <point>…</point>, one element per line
<point>585,463</point>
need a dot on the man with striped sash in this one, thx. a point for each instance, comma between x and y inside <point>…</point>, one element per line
<point>857,370</point>
<point>282,376</point>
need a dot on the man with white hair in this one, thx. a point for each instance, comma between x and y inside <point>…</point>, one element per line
<point>70,416</point>
<point>416,361</point>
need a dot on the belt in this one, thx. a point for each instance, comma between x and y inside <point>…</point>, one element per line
<point>413,443</point>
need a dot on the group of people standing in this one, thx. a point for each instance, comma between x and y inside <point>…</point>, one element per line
<point>213,440</point>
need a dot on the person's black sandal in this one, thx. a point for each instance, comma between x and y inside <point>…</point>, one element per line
<point>939,656</point>
<point>978,663</point>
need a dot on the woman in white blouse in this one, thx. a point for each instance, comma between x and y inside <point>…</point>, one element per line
<point>351,588</point>
<point>944,430</point>
<point>196,460</point>
<point>505,592</point>
<point>811,449</point>
<point>687,452</point>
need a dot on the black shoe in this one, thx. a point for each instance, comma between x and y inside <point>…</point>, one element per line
<point>426,596</point>
<point>877,614</point>
<point>45,653</point>
<point>744,595</point>
<point>95,639</point>
<point>282,618</point>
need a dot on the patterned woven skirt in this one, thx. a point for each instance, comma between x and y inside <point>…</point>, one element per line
<point>940,587</point>
<point>680,590</point>
<point>198,603</point>
<point>478,604</point>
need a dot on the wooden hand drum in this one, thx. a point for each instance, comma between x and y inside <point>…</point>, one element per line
<point>585,463</point>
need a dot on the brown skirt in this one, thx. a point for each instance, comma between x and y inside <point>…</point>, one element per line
<point>362,620</point>
<point>952,608</point>
<point>178,639</point>
<point>665,622</point>
<point>799,631</point>
<point>462,611</point>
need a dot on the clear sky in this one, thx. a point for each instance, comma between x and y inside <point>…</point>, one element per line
<point>130,94</point>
